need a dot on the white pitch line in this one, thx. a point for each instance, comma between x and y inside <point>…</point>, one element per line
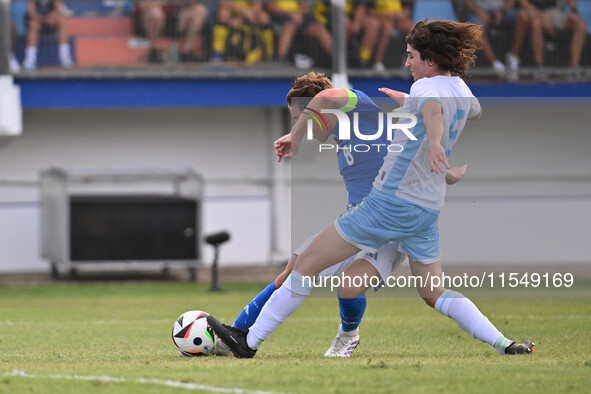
<point>82,322</point>
<point>169,383</point>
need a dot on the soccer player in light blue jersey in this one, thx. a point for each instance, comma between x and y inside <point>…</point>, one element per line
<point>358,169</point>
<point>407,194</point>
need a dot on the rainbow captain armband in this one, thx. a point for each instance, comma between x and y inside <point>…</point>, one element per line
<point>317,117</point>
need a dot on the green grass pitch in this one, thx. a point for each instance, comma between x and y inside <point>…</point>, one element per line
<point>115,337</point>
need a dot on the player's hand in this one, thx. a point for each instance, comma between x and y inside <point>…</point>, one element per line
<point>285,147</point>
<point>455,174</point>
<point>282,146</point>
<point>437,158</point>
<point>395,94</point>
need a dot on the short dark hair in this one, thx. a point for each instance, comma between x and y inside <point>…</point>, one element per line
<point>308,86</point>
<point>450,45</point>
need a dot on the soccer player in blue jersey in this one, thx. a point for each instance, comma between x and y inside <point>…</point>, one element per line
<point>407,194</point>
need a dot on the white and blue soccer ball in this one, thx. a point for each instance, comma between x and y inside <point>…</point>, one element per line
<point>192,335</point>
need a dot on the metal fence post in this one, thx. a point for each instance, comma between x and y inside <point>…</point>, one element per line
<point>339,45</point>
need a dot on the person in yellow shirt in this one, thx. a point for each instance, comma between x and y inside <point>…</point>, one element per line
<point>294,16</point>
<point>392,15</point>
<point>358,22</point>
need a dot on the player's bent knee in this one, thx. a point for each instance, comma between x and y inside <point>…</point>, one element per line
<point>306,266</point>
<point>430,301</point>
<point>351,292</point>
<point>430,296</point>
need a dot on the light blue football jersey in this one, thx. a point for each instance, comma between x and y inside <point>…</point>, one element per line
<point>407,173</point>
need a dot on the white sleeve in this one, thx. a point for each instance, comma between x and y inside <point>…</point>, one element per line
<point>475,108</point>
<point>422,91</point>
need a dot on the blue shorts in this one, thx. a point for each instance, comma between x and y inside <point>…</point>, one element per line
<point>380,219</point>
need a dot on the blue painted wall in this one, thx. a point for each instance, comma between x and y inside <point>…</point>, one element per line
<point>163,93</point>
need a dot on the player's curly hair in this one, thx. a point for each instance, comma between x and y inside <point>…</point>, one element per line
<point>307,86</point>
<point>450,45</point>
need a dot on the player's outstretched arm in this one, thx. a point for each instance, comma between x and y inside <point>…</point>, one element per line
<point>329,98</point>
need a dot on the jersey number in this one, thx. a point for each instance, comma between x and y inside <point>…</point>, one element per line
<point>348,156</point>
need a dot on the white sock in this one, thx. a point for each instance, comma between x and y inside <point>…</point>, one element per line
<point>348,333</point>
<point>31,53</point>
<point>497,65</point>
<point>284,301</point>
<point>14,65</point>
<point>454,305</point>
<point>64,50</point>
<point>513,61</point>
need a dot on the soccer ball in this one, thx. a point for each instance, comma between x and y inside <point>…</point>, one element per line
<point>192,335</point>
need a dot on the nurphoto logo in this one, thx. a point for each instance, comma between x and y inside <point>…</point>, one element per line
<point>345,133</point>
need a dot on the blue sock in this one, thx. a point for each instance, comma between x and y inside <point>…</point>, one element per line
<point>251,311</point>
<point>352,312</point>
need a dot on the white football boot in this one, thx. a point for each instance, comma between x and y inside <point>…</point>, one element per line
<point>343,344</point>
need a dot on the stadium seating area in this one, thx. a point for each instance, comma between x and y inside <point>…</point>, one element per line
<point>102,35</point>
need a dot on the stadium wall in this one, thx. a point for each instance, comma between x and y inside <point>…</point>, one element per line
<point>526,197</point>
<point>232,152</point>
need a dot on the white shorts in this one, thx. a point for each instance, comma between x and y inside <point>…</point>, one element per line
<point>386,260</point>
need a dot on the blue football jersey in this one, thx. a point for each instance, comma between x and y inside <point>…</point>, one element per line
<point>360,160</point>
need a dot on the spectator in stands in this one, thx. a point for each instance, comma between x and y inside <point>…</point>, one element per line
<point>497,14</point>
<point>234,13</point>
<point>294,16</point>
<point>392,16</point>
<point>171,19</point>
<point>358,22</point>
<point>550,16</point>
<point>45,16</point>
